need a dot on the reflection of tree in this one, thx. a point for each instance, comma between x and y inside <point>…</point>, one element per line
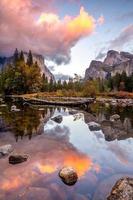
<point>28,121</point>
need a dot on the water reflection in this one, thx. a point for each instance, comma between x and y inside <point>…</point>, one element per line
<point>98,162</point>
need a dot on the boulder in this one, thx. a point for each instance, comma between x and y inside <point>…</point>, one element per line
<point>68,175</point>
<point>114,117</point>
<point>58,119</point>
<point>93,126</point>
<point>16,159</point>
<point>5,150</point>
<point>123,190</point>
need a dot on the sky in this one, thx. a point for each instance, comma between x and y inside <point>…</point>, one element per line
<point>68,33</point>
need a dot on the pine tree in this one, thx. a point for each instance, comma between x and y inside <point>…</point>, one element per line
<point>30,59</point>
<point>22,56</point>
<point>16,56</point>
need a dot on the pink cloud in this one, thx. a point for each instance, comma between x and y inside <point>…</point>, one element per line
<point>101,20</point>
<point>26,25</point>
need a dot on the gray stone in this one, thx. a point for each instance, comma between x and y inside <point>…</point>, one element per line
<point>114,117</point>
<point>5,150</point>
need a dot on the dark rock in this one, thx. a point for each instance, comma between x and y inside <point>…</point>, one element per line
<point>57,119</point>
<point>73,112</point>
<point>5,150</point>
<point>123,190</point>
<point>93,126</point>
<point>68,175</point>
<point>16,159</point>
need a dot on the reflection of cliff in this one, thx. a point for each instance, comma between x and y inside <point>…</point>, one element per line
<point>117,130</point>
<point>120,129</point>
<point>27,122</point>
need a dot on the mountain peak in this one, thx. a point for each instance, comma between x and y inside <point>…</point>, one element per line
<point>115,62</point>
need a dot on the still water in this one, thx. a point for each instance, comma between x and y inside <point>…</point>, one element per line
<point>99,157</point>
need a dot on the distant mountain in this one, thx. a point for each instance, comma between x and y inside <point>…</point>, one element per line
<point>39,58</point>
<point>114,62</point>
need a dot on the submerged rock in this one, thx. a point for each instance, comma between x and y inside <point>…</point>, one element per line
<point>58,119</point>
<point>5,150</point>
<point>68,175</point>
<point>93,126</point>
<point>73,112</point>
<point>123,190</point>
<point>115,117</point>
<point>16,159</point>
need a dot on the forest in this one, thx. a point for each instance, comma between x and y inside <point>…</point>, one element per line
<point>24,76</point>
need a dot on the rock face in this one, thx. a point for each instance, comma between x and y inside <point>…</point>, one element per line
<point>39,58</point>
<point>123,190</point>
<point>113,63</point>
<point>68,175</point>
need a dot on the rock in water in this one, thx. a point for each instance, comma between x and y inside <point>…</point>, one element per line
<point>68,175</point>
<point>5,150</point>
<point>58,119</point>
<point>93,126</point>
<point>115,117</point>
<point>16,159</point>
<point>123,190</point>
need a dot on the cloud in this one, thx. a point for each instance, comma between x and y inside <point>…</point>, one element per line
<point>123,38</point>
<point>125,16</point>
<point>101,20</point>
<point>25,25</point>
<point>100,56</point>
<point>51,68</point>
<point>61,76</point>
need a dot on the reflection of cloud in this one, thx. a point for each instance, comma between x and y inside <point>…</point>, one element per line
<point>46,168</point>
<point>81,163</point>
<point>9,185</point>
<point>121,153</point>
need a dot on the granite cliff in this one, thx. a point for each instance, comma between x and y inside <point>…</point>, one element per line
<point>115,62</point>
<point>39,58</point>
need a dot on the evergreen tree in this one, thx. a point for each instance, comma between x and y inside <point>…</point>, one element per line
<point>22,56</point>
<point>16,56</point>
<point>30,59</point>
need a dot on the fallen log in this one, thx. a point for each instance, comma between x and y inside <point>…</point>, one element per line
<point>76,103</point>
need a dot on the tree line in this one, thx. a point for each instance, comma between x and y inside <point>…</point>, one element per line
<point>23,76</point>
